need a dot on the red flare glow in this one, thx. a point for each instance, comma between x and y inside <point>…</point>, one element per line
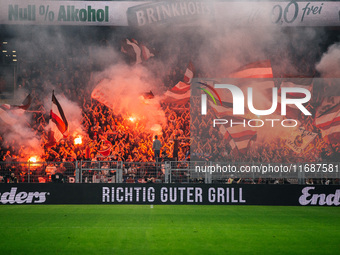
<point>32,159</point>
<point>78,140</point>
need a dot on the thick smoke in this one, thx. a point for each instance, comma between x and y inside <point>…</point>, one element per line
<point>123,88</point>
<point>50,59</point>
<point>18,130</point>
<point>215,48</point>
<point>329,65</point>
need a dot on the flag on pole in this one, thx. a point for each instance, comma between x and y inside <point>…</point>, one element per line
<point>180,93</point>
<point>239,137</point>
<point>242,137</point>
<point>9,113</point>
<point>262,93</point>
<point>227,137</point>
<point>189,73</point>
<point>25,104</point>
<point>146,52</point>
<point>137,52</point>
<point>327,119</point>
<point>58,125</point>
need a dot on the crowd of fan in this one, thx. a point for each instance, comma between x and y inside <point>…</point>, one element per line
<point>215,147</point>
<point>69,77</point>
<point>129,143</point>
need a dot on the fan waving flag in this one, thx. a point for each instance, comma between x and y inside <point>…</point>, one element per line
<point>25,104</point>
<point>136,52</point>
<point>10,113</point>
<point>189,73</point>
<point>328,119</point>
<point>239,137</point>
<point>58,125</point>
<point>253,72</point>
<point>146,52</point>
<point>180,93</point>
<point>227,137</point>
<point>223,104</point>
<point>105,148</point>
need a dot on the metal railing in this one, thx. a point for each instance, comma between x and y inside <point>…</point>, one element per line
<point>99,172</point>
<point>167,172</point>
<point>38,172</point>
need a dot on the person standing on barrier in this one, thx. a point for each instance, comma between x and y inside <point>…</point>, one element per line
<point>156,146</point>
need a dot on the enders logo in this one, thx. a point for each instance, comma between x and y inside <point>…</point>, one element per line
<point>309,198</point>
<point>14,197</point>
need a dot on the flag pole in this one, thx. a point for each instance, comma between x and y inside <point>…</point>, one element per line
<point>50,139</point>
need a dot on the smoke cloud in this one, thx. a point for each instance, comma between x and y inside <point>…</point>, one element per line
<point>18,132</point>
<point>216,47</point>
<point>329,65</point>
<point>121,88</point>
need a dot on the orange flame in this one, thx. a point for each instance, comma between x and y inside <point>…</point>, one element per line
<point>132,119</point>
<point>32,159</point>
<point>78,140</point>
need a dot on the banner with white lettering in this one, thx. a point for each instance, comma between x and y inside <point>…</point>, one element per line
<point>143,13</point>
<point>300,139</point>
<point>195,194</point>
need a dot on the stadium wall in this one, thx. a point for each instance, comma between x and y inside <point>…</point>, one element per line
<point>281,195</point>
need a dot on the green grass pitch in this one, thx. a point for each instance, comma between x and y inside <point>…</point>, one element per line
<point>168,229</point>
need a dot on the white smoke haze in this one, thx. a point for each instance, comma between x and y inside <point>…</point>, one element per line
<point>25,136</point>
<point>20,133</point>
<point>228,42</point>
<point>232,49</point>
<point>104,56</point>
<point>329,65</point>
<point>73,114</point>
<point>123,88</point>
<point>215,48</point>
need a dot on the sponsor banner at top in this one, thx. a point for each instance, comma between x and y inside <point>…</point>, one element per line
<point>143,13</point>
<point>82,13</point>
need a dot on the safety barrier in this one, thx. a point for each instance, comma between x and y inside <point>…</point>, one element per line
<point>169,172</point>
<point>38,172</point>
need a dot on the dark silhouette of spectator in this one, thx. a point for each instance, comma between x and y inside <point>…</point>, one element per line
<point>156,146</point>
